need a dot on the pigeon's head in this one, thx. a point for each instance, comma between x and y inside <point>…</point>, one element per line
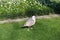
<point>33,17</point>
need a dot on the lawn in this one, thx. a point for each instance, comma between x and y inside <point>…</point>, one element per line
<point>44,29</point>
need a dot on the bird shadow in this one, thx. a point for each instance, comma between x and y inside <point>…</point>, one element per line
<point>24,27</point>
<point>17,26</point>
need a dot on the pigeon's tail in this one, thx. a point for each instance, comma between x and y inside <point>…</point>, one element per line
<point>24,27</point>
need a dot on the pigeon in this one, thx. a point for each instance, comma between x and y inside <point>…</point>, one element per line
<point>30,22</point>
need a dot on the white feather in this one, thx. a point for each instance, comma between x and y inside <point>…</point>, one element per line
<point>30,21</point>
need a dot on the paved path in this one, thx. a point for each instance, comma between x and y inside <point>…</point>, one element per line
<point>22,19</point>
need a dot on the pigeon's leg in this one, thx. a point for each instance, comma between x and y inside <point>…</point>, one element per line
<point>30,27</point>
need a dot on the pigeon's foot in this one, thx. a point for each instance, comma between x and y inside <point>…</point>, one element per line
<point>28,29</point>
<point>31,28</point>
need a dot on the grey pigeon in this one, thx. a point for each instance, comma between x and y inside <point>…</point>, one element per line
<point>30,22</point>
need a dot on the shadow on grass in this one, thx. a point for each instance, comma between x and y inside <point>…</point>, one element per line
<point>18,26</point>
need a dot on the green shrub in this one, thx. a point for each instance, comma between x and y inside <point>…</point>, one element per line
<point>14,9</point>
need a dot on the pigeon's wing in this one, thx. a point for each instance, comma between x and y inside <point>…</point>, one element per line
<point>30,22</point>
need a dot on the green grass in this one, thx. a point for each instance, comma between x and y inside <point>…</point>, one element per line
<point>44,29</point>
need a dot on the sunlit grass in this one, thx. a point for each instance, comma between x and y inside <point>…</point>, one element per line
<point>44,29</point>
